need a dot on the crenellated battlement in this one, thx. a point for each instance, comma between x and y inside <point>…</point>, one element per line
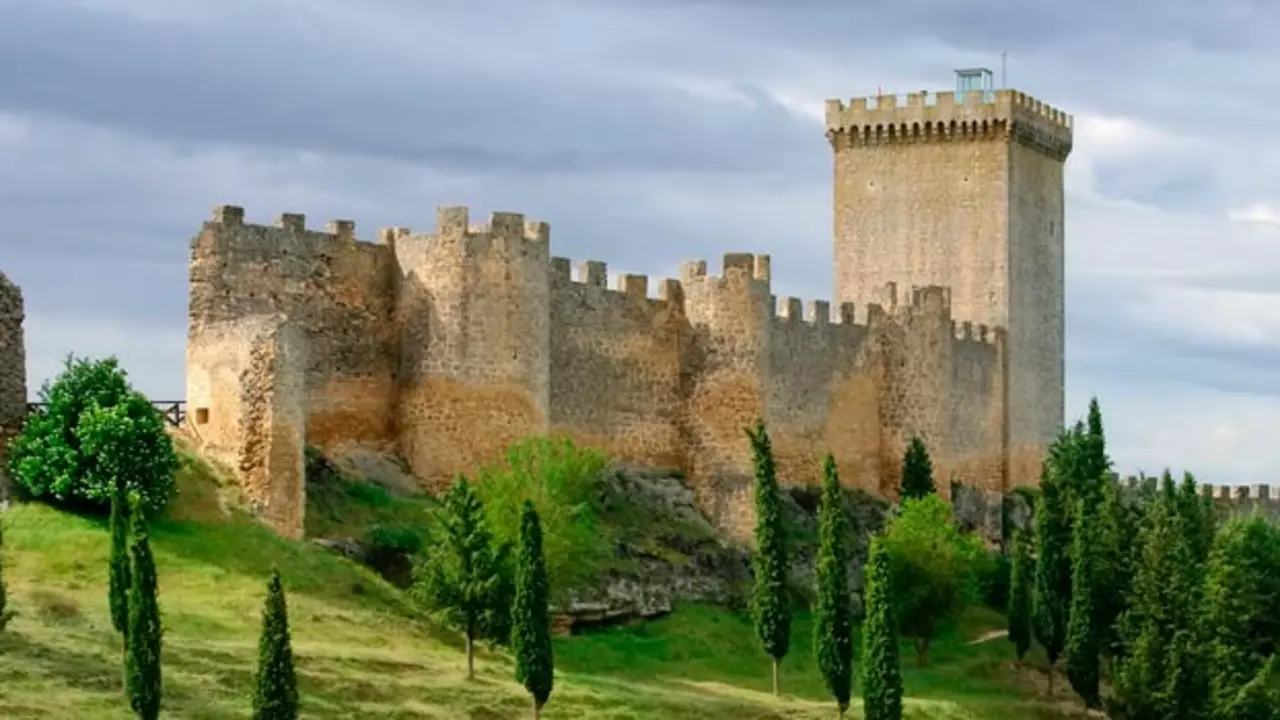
<point>817,313</point>
<point>1230,499</point>
<point>942,117</point>
<point>338,232</point>
<point>505,231</point>
<point>981,333</point>
<point>735,267</point>
<point>595,274</point>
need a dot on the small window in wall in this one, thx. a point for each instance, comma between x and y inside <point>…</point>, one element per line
<point>202,416</point>
<point>1052,226</point>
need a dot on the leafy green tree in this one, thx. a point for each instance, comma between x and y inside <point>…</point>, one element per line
<point>530,621</point>
<point>142,649</point>
<point>1020,578</point>
<point>770,602</point>
<point>881,667</point>
<point>5,613</point>
<point>460,574</point>
<point>118,580</point>
<point>93,430</point>
<point>917,470</point>
<point>1084,639</point>
<point>833,614</point>
<point>935,569</point>
<point>1051,589</point>
<point>275,692</point>
<point>1242,609</point>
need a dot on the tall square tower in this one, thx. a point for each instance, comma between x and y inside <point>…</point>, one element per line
<point>964,189</point>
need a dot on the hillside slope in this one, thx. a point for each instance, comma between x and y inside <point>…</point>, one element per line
<point>363,651</point>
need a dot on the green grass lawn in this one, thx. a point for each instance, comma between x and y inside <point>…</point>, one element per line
<point>364,652</point>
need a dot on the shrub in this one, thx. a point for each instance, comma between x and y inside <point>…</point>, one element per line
<point>563,482</point>
<point>934,568</point>
<point>93,430</point>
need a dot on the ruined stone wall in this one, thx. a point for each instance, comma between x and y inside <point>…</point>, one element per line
<point>337,292</point>
<point>13,371</point>
<point>616,360</point>
<point>474,316</point>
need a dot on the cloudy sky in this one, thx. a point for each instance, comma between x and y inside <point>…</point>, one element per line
<point>648,132</point>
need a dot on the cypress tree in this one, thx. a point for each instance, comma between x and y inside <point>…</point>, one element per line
<point>1020,579</point>
<point>5,613</point>
<point>142,649</point>
<point>530,622</point>
<point>1241,609</point>
<point>833,615</point>
<point>1162,673</point>
<point>461,574</point>
<point>1083,639</point>
<point>770,606</point>
<point>118,564</point>
<point>881,666</point>
<point>275,691</point>
<point>1051,591</point>
<point>1095,464</point>
<point>1115,553</point>
<point>917,471</point>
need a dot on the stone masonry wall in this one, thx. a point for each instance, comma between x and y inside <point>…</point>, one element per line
<point>488,340</point>
<point>339,293</point>
<point>474,317</point>
<point>617,358</point>
<point>13,371</point>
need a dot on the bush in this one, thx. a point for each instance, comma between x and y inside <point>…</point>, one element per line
<point>93,430</point>
<point>563,482</point>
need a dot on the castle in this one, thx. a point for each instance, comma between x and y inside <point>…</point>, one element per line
<point>447,346</point>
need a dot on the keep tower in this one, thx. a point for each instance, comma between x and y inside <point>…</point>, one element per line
<point>964,189</point>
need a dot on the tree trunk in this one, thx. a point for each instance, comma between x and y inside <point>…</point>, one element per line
<point>1051,680</point>
<point>777,684</point>
<point>922,652</point>
<point>471,657</point>
<point>537,709</point>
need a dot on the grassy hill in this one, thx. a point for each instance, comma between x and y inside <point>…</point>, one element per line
<point>363,651</point>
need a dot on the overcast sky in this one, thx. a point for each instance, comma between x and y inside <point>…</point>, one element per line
<point>648,132</point>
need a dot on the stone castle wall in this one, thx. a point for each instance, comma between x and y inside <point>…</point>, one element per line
<point>13,371</point>
<point>449,346</point>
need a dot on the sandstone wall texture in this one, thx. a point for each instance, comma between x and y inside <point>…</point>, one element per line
<point>448,346</point>
<point>13,371</point>
<point>967,194</point>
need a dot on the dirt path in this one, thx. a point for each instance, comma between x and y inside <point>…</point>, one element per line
<point>989,636</point>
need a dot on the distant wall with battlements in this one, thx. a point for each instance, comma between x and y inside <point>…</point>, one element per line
<point>1230,500</point>
<point>450,345</point>
<point>13,370</point>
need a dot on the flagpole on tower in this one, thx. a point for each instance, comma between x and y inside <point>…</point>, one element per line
<point>1004,70</point>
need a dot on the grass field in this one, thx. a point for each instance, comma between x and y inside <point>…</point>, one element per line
<point>364,652</point>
